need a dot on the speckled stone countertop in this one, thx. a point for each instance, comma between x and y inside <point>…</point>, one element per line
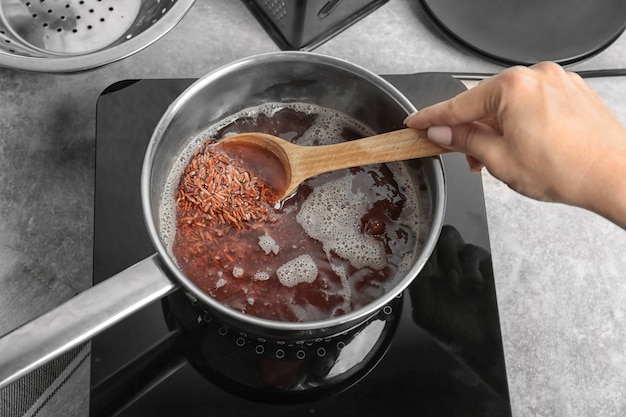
<point>560,271</point>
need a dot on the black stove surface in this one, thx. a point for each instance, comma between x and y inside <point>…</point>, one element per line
<point>442,356</point>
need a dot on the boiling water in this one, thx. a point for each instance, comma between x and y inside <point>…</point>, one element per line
<point>339,243</point>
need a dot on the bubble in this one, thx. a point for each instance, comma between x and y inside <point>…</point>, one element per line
<point>268,244</point>
<point>331,214</point>
<point>261,276</point>
<point>298,270</point>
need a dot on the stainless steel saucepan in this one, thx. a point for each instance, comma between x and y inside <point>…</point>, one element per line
<point>274,77</point>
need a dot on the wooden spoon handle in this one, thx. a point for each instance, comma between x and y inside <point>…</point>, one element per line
<point>398,145</point>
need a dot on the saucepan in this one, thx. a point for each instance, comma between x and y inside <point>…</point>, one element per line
<point>275,77</point>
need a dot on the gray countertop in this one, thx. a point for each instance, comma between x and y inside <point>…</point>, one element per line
<point>560,271</point>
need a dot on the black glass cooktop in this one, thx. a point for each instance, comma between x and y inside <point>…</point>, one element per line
<point>439,355</point>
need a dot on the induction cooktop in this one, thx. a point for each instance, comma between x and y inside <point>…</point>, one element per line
<point>439,347</point>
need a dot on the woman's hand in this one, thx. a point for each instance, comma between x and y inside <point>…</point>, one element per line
<point>543,132</point>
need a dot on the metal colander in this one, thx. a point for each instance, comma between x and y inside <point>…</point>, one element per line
<point>75,35</point>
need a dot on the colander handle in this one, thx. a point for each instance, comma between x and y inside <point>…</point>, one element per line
<point>82,317</point>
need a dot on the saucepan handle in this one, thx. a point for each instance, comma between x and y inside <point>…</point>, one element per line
<point>82,317</point>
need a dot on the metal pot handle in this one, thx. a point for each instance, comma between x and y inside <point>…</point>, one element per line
<point>82,317</point>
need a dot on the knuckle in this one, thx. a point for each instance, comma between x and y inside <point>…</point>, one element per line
<point>576,78</point>
<point>549,68</point>
<point>518,80</point>
<point>451,106</point>
<point>521,83</point>
<point>470,139</point>
<point>465,137</point>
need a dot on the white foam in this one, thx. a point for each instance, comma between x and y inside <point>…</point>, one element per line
<point>296,271</point>
<point>332,214</point>
<point>261,276</point>
<point>237,272</point>
<point>346,291</point>
<point>268,244</point>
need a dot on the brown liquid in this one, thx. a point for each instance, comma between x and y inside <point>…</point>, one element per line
<point>244,267</point>
<point>258,162</point>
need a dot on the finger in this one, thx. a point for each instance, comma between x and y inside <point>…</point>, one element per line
<point>478,103</point>
<point>475,165</point>
<point>479,141</point>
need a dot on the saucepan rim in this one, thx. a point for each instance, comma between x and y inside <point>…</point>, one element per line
<point>356,316</point>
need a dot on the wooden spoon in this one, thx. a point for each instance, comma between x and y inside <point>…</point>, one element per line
<point>301,162</point>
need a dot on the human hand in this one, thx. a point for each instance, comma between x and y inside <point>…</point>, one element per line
<point>543,132</point>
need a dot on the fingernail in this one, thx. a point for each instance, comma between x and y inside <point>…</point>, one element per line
<point>441,135</point>
<point>409,117</point>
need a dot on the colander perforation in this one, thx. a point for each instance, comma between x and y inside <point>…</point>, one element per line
<point>101,30</point>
